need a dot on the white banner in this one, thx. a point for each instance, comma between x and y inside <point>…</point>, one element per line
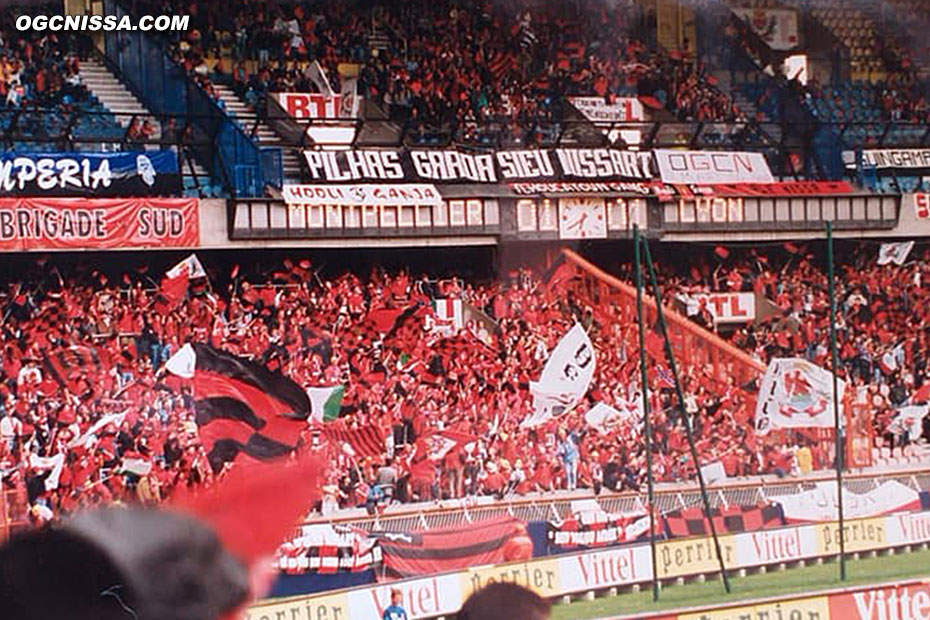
<point>713,472</point>
<point>408,195</point>
<point>597,110</point>
<point>889,159</point>
<point>441,595</point>
<point>819,504</point>
<point>447,318</point>
<point>565,378</point>
<point>777,27</point>
<point>724,307</point>
<point>712,167</point>
<point>796,394</point>
<point>894,252</point>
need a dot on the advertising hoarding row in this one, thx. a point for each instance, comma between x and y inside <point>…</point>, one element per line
<point>624,566</point>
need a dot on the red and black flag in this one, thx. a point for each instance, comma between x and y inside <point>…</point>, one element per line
<point>412,554</point>
<point>177,281</point>
<point>62,364</point>
<point>365,440</point>
<point>241,406</point>
<point>732,519</point>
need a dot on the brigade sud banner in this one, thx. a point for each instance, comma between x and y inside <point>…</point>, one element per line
<point>796,394</point>
<point>565,378</point>
<point>95,175</point>
<point>102,223</point>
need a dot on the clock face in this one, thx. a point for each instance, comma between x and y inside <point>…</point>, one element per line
<point>582,218</point>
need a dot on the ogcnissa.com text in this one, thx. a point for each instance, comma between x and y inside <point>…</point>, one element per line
<point>105,23</point>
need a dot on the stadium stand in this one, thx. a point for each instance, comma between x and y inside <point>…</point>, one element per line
<point>83,348</point>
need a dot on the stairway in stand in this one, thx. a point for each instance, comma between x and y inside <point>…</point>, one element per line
<point>237,109</point>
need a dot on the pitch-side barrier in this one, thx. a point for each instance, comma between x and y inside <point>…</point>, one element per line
<point>627,567</point>
<point>902,600</point>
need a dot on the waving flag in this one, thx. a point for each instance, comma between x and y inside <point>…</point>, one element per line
<point>326,402</point>
<point>176,282</point>
<point>438,444</point>
<point>242,407</point>
<point>565,378</point>
<point>62,362</point>
<point>895,253</point>
<point>796,394</point>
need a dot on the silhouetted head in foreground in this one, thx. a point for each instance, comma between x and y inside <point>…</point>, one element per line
<point>505,601</point>
<point>125,564</point>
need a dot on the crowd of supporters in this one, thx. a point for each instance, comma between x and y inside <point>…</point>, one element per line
<point>455,66</point>
<point>405,381</point>
<point>38,69</point>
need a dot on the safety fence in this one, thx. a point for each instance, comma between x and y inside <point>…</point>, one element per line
<point>558,506</point>
<point>619,567</point>
<point>165,88</point>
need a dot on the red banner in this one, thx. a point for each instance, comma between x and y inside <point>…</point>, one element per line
<point>786,188</point>
<point>103,223</point>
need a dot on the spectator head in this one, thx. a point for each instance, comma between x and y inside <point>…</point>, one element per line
<point>505,601</point>
<point>397,597</point>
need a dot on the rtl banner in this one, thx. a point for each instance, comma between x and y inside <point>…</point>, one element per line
<point>148,173</point>
<point>712,167</point>
<point>319,106</point>
<point>796,394</point>
<point>724,307</point>
<point>103,223</point>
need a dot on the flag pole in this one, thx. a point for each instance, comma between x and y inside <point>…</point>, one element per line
<point>838,429</point>
<point>684,414</point>
<point>647,422</point>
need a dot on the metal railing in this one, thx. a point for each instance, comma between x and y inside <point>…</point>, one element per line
<point>167,90</point>
<point>557,506</point>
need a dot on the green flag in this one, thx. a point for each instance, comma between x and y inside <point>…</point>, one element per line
<point>326,402</point>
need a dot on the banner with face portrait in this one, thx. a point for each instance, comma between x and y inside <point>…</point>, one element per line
<point>565,378</point>
<point>94,175</point>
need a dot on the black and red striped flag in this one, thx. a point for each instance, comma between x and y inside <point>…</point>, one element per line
<point>242,407</point>
<point>62,363</point>
<point>412,554</point>
<point>365,440</point>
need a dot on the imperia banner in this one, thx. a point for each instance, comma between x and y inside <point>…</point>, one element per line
<point>454,166</point>
<point>95,175</point>
<point>103,223</point>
